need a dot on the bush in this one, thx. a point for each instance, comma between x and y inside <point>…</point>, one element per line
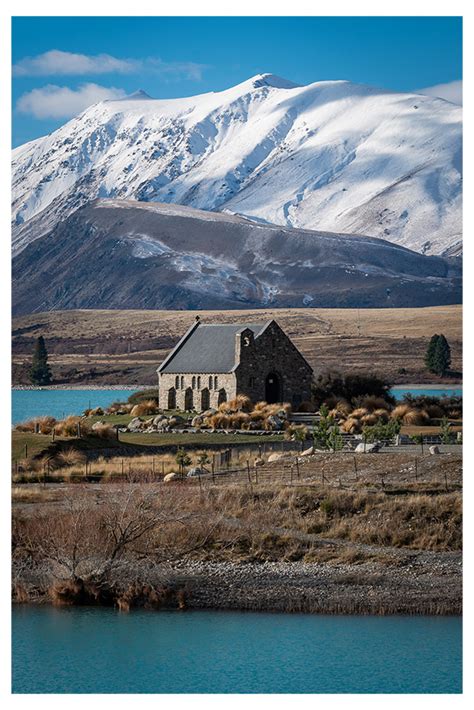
<point>350,387</point>
<point>143,396</point>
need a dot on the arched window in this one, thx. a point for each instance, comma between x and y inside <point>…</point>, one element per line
<point>194,383</point>
<point>182,382</point>
<point>215,382</point>
<point>210,382</point>
<point>222,397</point>
<point>199,383</point>
<point>176,382</point>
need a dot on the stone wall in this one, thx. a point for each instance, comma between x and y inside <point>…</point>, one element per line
<point>272,352</point>
<point>167,381</point>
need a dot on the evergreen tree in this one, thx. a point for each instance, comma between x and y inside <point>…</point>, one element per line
<point>441,356</point>
<point>430,351</point>
<point>40,372</point>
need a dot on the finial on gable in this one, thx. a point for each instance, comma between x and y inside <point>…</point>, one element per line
<point>197,319</point>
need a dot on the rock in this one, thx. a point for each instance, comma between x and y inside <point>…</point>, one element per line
<point>433,449</point>
<point>275,422</point>
<point>308,452</point>
<point>259,462</point>
<point>97,412</point>
<point>135,424</point>
<point>162,424</point>
<point>367,448</point>
<point>176,420</point>
<point>196,471</point>
<point>197,421</point>
<point>209,412</point>
<point>158,419</point>
<point>97,425</point>
<point>173,476</point>
<point>276,457</point>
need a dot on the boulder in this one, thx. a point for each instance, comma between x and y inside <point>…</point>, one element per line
<point>275,457</point>
<point>259,462</point>
<point>196,471</point>
<point>367,448</point>
<point>275,422</point>
<point>135,424</point>
<point>209,412</point>
<point>176,420</point>
<point>197,421</point>
<point>433,449</point>
<point>158,419</point>
<point>97,425</point>
<point>173,476</point>
<point>162,424</point>
<point>308,452</point>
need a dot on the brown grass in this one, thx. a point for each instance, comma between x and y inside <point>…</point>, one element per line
<point>416,417</point>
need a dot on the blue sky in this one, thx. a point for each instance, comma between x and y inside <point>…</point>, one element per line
<point>59,65</point>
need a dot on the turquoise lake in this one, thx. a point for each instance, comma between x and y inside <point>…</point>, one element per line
<point>98,650</point>
<point>27,404</point>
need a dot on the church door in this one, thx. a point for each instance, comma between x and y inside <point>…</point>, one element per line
<point>273,388</point>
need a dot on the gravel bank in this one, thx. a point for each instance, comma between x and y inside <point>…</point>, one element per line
<point>416,583</point>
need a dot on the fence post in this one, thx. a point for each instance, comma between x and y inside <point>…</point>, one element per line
<point>256,474</point>
<point>212,469</point>
<point>421,438</point>
<point>416,469</point>
<point>26,451</point>
<point>446,481</point>
<point>297,468</point>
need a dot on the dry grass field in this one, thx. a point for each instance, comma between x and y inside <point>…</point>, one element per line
<point>96,347</point>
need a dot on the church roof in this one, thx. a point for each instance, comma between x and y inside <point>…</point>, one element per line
<point>207,347</point>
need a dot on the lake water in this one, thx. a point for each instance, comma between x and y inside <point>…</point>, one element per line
<point>27,404</point>
<point>427,391</point>
<point>96,650</point>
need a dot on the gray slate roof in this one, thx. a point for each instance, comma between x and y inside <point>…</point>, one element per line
<point>208,348</point>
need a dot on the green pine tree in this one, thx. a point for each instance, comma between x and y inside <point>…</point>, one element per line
<point>40,372</point>
<point>441,356</point>
<point>430,351</point>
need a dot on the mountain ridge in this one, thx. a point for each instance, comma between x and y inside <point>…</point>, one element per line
<point>123,254</point>
<point>330,156</point>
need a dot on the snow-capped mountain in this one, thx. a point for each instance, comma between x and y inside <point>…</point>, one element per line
<point>116,253</point>
<point>332,156</point>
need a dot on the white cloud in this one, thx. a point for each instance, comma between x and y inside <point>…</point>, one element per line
<point>59,63</point>
<point>53,101</point>
<point>56,62</point>
<point>452,91</point>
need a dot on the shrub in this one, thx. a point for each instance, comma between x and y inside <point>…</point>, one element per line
<point>382,414</point>
<point>400,411</point>
<point>144,408</point>
<point>359,413</point>
<point>416,417</point>
<point>143,396</point>
<point>351,426</point>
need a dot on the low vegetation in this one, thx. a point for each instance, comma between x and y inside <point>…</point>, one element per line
<point>94,545</point>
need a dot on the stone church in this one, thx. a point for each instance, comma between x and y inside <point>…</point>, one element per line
<point>212,363</point>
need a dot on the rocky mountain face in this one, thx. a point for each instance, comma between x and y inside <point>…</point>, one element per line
<point>331,156</point>
<point>124,254</point>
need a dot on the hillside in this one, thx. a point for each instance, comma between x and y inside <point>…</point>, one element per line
<point>331,156</point>
<point>125,347</point>
<point>124,254</point>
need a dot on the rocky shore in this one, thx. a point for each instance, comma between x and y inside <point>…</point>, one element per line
<point>411,583</point>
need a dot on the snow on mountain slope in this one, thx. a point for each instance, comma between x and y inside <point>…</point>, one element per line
<point>332,156</point>
<point>116,253</point>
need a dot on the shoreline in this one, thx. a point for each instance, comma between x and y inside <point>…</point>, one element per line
<point>412,582</point>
